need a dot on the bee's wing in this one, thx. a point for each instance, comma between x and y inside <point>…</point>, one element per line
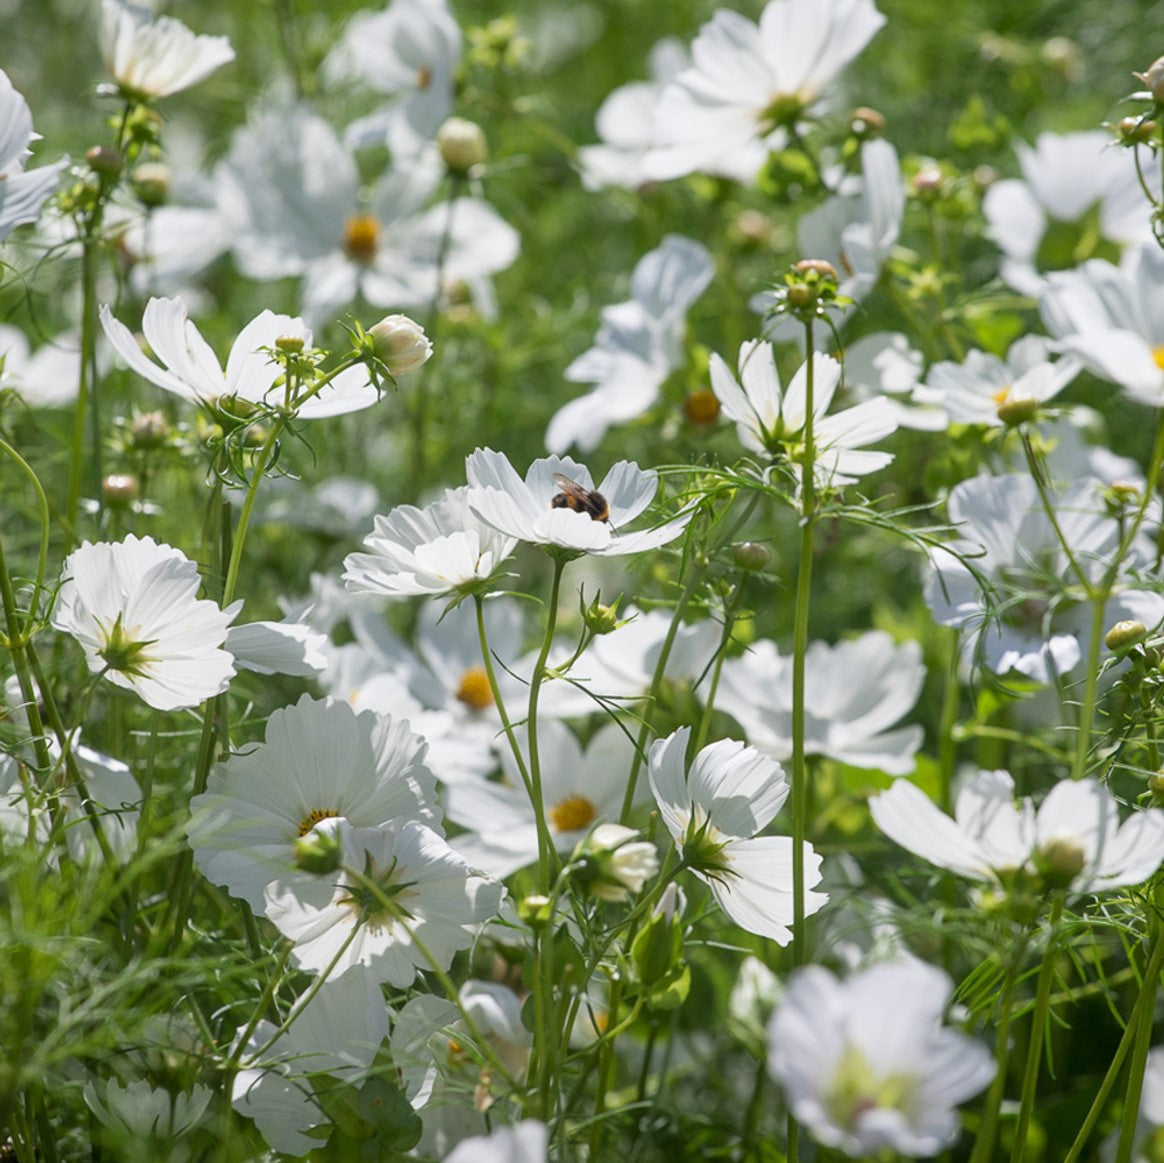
<point>568,486</point>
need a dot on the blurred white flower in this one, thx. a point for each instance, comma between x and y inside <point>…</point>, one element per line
<point>46,378</point>
<point>1112,318</point>
<point>443,548</point>
<point>770,418</point>
<point>304,214</point>
<point>625,123</point>
<point>855,692</point>
<point>320,760</point>
<point>714,812</point>
<point>496,1012</point>
<point>409,52</point>
<point>536,509</point>
<point>1074,839</point>
<point>866,1065</point>
<point>1033,621</point>
<point>523,1143</point>
<point>131,605</point>
<point>749,83</point>
<point>579,788</point>
<point>151,58</point>
<point>397,883</point>
<point>1077,190</point>
<point>21,193</point>
<point>638,345</point>
<point>884,363</point>
<point>337,1033</point>
<point>620,863</point>
<point>974,391</point>
<point>144,1113</point>
<point>190,369</point>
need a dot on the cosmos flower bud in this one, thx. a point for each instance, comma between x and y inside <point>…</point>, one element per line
<point>928,184</point>
<point>1136,130</point>
<point>866,123</point>
<point>1154,79</point>
<point>1020,410</point>
<point>535,910</point>
<point>289,344</point>
<point>400,343</point>
<point>751,555</point>
<point>1124,635</point>
<point>319,852</point>
<point>120,489</point>
<point>462,144</point>
<point>600,619</point>
<point>614,863</point>
<point>149,431</point>
<point>151,183</point>
<point>104,161</point>
<point>1060,861</point>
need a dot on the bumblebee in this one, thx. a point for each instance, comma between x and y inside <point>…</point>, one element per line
<point>574,496</point>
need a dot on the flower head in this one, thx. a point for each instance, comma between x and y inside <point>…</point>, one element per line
<point>21,194</point>
<point>400,343</point>
<point>866,1064</point>
<point>151,58</point>
<point>544,510</point>
<point>131,604</point>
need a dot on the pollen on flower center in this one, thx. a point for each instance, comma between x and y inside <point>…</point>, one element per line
<point>313,817</point>
<point>424,77</point>
<point>361,237</point>
<point>701,407</point>
<point>1158,356</point>
<point>1002,395</point>
<point>572,814</point>
<point>474,690</point>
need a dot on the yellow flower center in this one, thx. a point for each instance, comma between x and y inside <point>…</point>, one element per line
<point>1158,356</point>
<point>572,814</point>
<point>701,407</point>
<point>361,237</point>
<point>1002,395</point>
<point>474,690</point>
<point>314,817</point>
<point>424,77</point>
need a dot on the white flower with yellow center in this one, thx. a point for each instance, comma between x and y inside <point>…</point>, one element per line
<point>320,760</point>
<point>714,812</point>
<point>131,605</point>
<point>404,902</point>
<point>866,1065</point>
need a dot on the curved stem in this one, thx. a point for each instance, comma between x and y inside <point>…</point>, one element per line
<point>498,700</point>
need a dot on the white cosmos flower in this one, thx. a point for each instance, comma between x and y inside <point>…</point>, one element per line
<point>714,811</point>
<point>400,882</point>
<point>337,1032</point>
<point>523,1143</point>
<point>526,509</point>
<point>150,58</point>
<point>277,648</point>
<point>190,369</point>
<point>443,548</point>
<point>46,378</point>
<point>1112,318</point>
<point>855,692</point>
<point>625,123</point>
<point>1076,188</point>
<point>579,788</point>
<point>770,418</point>
<point>495,1010</point>
<point>409,52</point>
<point>304,214</point>
<point>1074,837</point>
<point>747,83</point>
<point>973,391</point>
<point>151,1117</point>
<point>639,344</point>
<point>21,193</point>
<point>884,364</point>
<point>132,606</point>
<point>320,760</point>
<point>866,1065</point>
<point>1035,619</point>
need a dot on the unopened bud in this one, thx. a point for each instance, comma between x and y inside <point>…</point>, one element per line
<point>289,344</point>
<point>461,144</point>
<point>151,183</point>
<point>1136,130</point>
<point>614,863</point>
<point>104,161</point>
<point>928,184</point>
<point>1156,786</point>
<point>753,227</point>
<point>319,852</point>
<point>866,123</point>
<point>149,431</point>
<point>535,910</point>
<point>1124,635</point>
<point>751,555</point>
<point>1154,79</point>
<point>1060,861</point>
<point>120,490</point>
<point>600,619</point>
<point>1016,411</point>
<point>400,344</point>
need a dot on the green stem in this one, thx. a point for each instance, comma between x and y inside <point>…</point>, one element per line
<point>1142,1022</point>
<point>86,408</point>
<point>244,518</point>
<point>1090,688</point>
<point>498,700</point>
<point>1038,1032</point>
